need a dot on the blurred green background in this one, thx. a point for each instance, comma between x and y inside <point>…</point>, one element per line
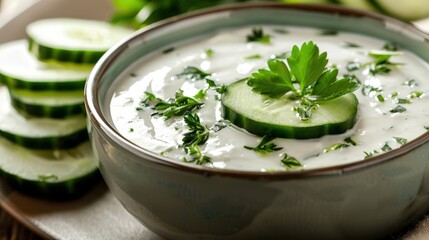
<point>139,13</point>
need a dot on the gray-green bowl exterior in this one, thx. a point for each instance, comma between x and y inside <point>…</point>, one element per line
<point>370,199</point>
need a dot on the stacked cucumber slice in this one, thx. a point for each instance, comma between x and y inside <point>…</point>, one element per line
<point>43,138</point>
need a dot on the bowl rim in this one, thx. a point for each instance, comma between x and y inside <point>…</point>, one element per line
<point>97,120</point>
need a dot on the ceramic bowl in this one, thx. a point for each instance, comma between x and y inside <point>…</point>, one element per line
<point>370,199</point>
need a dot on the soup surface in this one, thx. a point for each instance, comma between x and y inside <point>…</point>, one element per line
<point>392,98</point>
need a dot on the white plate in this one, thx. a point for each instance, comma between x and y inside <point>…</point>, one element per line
<point>97,215</point>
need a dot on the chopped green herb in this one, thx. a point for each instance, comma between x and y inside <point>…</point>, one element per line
<point>166,151</point>
<point>131,129</point>
<point>179,106</point>
<point>221,89</point>
<point>349,140</point>
<point>133,74</point>
<point>305,109</point>
<point>353,66</point>
<point>368,89</point>
<point>200,158</point>
<point>219,125</point>
<point>281,31</point>
<point>283,55</point>
<point>149,97</point>
<point>394,94</point>
<point>400,140</point>
<point>256,56</point>
<point>265,145</point>
<point>380,98</point>
<point>403,101</point>
<point>201,94</point>
<point>410,83</point>
<point>382,63</point>
<point>308,69</point>
<point>398,109</point>
<point>139,109</point>
<point>347,143</point>
<point>290,162</point>
<point>426,127</point>
<point>415,94</point>
<point>209,52</point>
<point>197,135</point>
<point>351,45</point>
<point>329,32</point>
<point>386,147</point>
<point>370,154</point>
<point>211,85</point>
<point>194,73</point>
<point>391,46</point>
<point>168,50</point>
<point>258,35</point>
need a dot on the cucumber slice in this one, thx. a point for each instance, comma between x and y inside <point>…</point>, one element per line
<point>72,40</point>
<point>57,174</point>
<point>39,133</point>
<point>19,69</point>
<point>262,116</point>
<point>358,4</point>
<point>48,104</point>
<point>406,10</point>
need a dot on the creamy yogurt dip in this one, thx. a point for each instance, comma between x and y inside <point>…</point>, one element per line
<point>392,105</point>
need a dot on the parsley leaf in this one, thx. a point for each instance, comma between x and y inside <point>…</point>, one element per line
<point>198,133</point>
<point>274,82</point>
<point>290,162</point>
<point>258,35</point>
<point>400,140</point>
<point>386,147</point>
<point>174,107</point>
<point>194,73</point>
<point>265,146</point>
<point>382,63</point>
<point>306,64</point>
<point>348,142</point>
<point>398,109</point>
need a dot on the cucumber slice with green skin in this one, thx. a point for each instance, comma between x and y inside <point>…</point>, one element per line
<point>54,174</point>
<point>72,40</point>
<point>406,10</point>
<point>264,116</point>
<point>19,69</point>
<point>40,133</point>
<point>48,104</point>
<point>358,4</point>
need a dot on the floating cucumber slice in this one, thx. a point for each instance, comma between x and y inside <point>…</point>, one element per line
<point>20,70</point>
<point>72,40</point>
<point>48,104</point>
<point>57,174</point>
<point>39,133</point>
<point>263,116</point>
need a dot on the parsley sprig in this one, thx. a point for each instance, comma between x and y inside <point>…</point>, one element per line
<point>178,106</point>
<point>308,69</point>
<point>198,135</point>
<point>382,63</point>
<point>265,145</point>
<point>258,35</point>
<point>290,162</point>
